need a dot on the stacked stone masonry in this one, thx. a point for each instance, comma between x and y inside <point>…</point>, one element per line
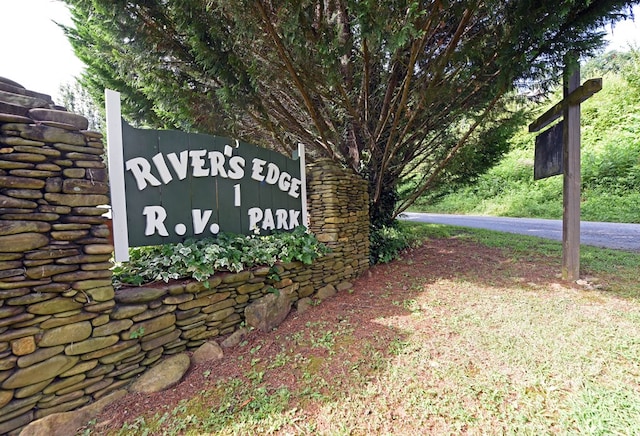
<point>66,337</point>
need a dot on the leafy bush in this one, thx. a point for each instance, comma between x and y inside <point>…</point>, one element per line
<point>200,259</point>
<point>387,242</point>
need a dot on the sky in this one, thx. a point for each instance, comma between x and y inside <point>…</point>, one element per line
<point>36,54</point>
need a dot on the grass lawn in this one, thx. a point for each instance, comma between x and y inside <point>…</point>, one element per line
<point>472,332</point>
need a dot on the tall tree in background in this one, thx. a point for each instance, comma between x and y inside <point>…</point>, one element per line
<point>390,88</point>
<point>76,99</point>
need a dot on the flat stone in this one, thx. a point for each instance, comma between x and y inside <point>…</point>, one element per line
<point>31,390</point>
<point>152,325</point>
<point>21,420</point>
<point>76,200</point>
<point>248,288</point>
<point>77,121</point>
<point>91,344</point>
<point>65,334</point>
<point>6,285</point>
<point>13,334</point>
<point>326,292</point>
<point>80,368</point>
<point>74,173</point>
<point>139,295</point>
<point>52,253</point>
<point>22,242</point>
<point>69,235</point>
<point>120,355</point>
<point>96,266</point>
<point>7,202</point>
<point>221,314</point>
<point>117,348</point>
<point>85,150</point>
<point>98,249</point>
<point>205,301</point>
<point>67,423</point>
<point>76,276</point>
<point>89,164</point>
<point>40,355</point>
<point>83,285</point>
<point>27,194</point>
<point>38,372</point>
<point>267,312</point>
<point>58,385</point>
<point>31,216</point>
<point>5,295</point>
<point>30,298</point>
<point>80,186</point>
<point>161,340</point>
<point>42,174</point>
<point>23,346</point>
<point>125,312</point>
<point>304,304</point>
<point>112,327</point>
<point>11,272</point>
<point>40,132</point>
<point>152,313</point>
<point>235,338</point>
<point>219,306</point>
<point>60,321</point>
<point>54,306</point>
<point>9,165</point>
<point>104,293</point>
<point>36,148</point>
<point>237,277</point>
<point>52,287</point>
<point>164,375</point>
<point>76,258</point>
<point>90,211</point>
<point>48,270</point>
<point>22,100</point>
<point>177,299</point>
<point>48,167</point>
<point>5,397</point>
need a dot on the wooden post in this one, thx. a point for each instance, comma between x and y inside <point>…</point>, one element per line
<point>572,179</point>
<point>569,109</point>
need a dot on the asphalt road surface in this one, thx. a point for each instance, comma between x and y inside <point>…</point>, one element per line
<point>609,235</point>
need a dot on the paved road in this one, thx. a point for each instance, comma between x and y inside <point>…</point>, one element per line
<point>609,235</point>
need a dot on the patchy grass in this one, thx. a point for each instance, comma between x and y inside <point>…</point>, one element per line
<point>472,333</point>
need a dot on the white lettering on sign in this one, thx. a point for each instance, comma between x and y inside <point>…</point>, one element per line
<point>155,220</point>
<point>263,219</point>
<point>285,182</point>
<point>205,163</point>
<point>155,216</point>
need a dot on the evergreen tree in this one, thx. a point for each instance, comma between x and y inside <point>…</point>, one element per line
<point>390,88</point>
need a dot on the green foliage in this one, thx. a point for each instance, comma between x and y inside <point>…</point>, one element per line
<point>384,87</point>
<point>76,99</point>
<point>387,242</point>
<point>200,259</point>
<point>610,159</point>
<point>136,334</point>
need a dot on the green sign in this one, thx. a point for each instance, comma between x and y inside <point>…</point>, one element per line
<point>180,185</point>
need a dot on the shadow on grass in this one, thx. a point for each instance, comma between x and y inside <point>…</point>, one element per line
<point>291,379</point>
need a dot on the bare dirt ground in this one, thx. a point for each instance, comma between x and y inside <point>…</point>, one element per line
<point>381,293</point>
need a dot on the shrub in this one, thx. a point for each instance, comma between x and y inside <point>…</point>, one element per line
<point>200,259</point>
<point>387,242</point>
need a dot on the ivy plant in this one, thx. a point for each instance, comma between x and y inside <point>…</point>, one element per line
<point>200,259</point>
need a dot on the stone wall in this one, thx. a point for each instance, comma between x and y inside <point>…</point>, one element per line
<point>66,337</point>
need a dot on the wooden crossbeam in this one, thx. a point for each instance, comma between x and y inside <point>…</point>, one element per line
<point>582,93</point>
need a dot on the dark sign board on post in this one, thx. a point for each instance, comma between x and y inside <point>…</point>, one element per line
<point>167,186</point>
<point>548,153</point>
